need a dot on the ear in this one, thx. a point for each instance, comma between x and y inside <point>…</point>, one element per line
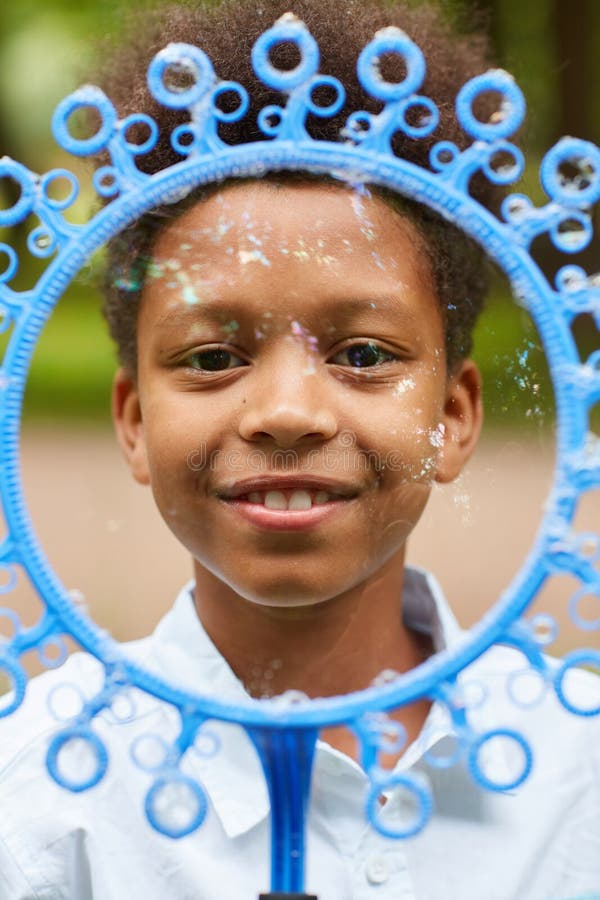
<point>462,420</point>
<point>127,419</point>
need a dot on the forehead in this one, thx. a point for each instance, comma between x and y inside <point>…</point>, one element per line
<point>313,245</point>
<point>282,213</point>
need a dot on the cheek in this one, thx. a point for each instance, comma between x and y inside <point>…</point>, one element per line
<point>395,511</point>
<point>404,434</point>
<point>176,453</point>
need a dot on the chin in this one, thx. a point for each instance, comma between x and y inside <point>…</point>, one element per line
<point>284,594</point>
<point>289,599</point>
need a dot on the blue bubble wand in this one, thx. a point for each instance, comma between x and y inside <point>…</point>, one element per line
<point>285,733</point>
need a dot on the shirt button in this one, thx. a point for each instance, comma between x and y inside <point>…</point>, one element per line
<point>378,870</point>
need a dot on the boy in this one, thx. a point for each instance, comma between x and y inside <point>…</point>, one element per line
<point>294,378</point>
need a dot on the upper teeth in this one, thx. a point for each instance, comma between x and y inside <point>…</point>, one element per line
<point>298,499</point>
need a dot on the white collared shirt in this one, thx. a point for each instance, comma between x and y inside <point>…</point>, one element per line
<point>540,841</point>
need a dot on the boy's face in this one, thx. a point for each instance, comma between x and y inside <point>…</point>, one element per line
<point>293,332</point>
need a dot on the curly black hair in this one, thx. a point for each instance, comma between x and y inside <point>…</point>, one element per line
<point>226,30</point>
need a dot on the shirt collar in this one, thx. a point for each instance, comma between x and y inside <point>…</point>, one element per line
<point>426,609</point>
<point>233,777</point>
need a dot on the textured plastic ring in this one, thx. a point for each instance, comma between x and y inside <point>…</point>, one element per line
<point>420,796</point>
<point>57,175</point>
<point>149,123</point>
<point>14,171</point>
<point>230,87</point>
<point>185,58</point>
<point>106,181</point>
<point>12,263</point>
<point>187,820</point>
<point>484,740</point>
<point>41,242</point>
<point>573,232</point>
<point>90,98</point>
<point>429,117</point>
<point>284,32</point>
<point>570,664</point>
<point>578,154</point>
<point>11,700</point>
<point>94,746</point>
<point>508,172</point>
<point>512,109</point>
<point>333,108</point>
<point>391,40</point>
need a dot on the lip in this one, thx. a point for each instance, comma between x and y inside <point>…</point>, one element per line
<point>287,483</point>
<point>285,519</point>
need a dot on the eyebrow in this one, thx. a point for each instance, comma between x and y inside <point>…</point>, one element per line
<point>389,304</point>
<point>198,312</point>
<point>345,309</point>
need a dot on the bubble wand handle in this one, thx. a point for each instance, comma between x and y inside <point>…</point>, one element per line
<point>287,756</point>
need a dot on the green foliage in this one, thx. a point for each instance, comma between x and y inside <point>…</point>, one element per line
<point>516,382</point>
<point>73,364</point>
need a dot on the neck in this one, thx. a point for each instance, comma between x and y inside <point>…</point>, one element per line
<point>332,647</point>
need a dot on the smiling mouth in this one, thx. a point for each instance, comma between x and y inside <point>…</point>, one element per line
<point>296,500</point>
<point>287,510</point>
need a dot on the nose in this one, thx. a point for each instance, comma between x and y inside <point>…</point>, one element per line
<point>286,402</point>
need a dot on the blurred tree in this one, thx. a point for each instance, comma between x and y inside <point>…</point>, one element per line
<point>578,46</point>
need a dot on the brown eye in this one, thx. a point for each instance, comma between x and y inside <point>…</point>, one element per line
<point>362,356</point>
<point>214,360</point>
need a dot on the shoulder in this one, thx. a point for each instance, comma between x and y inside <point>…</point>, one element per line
<point>44,828</point>
<point>50,699</point>
<point>519,700</point>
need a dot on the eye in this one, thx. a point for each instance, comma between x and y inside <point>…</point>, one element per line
<point>214,359</point>
<point>362,355</point>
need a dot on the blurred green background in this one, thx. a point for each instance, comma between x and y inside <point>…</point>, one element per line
<point>46,49</point>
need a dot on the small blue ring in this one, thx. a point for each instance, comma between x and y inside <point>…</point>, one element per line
<point>420,792</point>
<point>13,263</point>
<point>566,150</point>
<point>571,661</point>
<point>578,620</point>
<point>15,214</point>
<point>178,133</point>
<point>102,189</point>
<point>176,54</point>
<point>282,32</point>
<point>419,131</point>
<point>134,752</point>
<point>574,241</point>
<point>85,97</point>
<point>391,40</point>
<point>475,769</point>
<point>197,818</point>
<point>41,232</point>
<point>225,87</point>
<point>333,108</point>
<point>71,197</point>
<point>149,143</point>
<point>514,171</point>
<point>270,128</point>
<point>60,740</point>
<point>499,81</point>
<point>15,672</point>
<point>51,662</point>
<point>12,580</point>
<point>447,148</point>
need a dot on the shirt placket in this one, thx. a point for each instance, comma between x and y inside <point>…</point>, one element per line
<point>380,869</point>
